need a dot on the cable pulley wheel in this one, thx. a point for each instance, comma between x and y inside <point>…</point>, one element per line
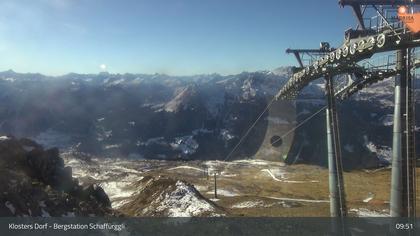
<point>345,51</point>
<point>353,48</point>
<point>380,40</point>
<point>372,42</point>
<point>338,54</point>
<point>332,57</point>
<point>361,45</point>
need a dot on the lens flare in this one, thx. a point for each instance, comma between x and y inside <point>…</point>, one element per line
<point>402,10</point>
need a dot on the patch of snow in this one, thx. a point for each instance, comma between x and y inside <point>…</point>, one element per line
<point>224,192</point>
<point>177,103</point>
<point>248,91</point>
<point>183,202</point>
<point>103,134</point>
<point>273,176</point>
<point>118,191</point>
<point>9,79</point>
<point>112,146</point>
<point>115,176</point>
<point>10,206</point>
<point>363,212</point>
<point>258,162</point>
<point>248,204</point>
<point>383,153</point>
<point>108,133</point>
<point>187,145</point>
<point>299,200</point>
<point>186,167</point>
<point>116,82</point>
<point>226,135</point>
<point>282,175</point>
<point>114,189</point>
<point>44,213</point>
<point>387,120</point>
<point>4,138</point>
<point>214,166</point>
<point>225,174</point>
<point>369,198</point>
<point>73,162</point>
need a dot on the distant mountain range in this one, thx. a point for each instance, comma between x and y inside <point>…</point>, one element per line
<point>192,117</point>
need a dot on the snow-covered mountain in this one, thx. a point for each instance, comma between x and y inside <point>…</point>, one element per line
<point>192,117</point>
<point>142,116</point>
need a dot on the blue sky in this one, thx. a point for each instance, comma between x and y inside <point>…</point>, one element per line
<point>176,37</point>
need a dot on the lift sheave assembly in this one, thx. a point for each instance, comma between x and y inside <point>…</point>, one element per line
<point>381,29</point>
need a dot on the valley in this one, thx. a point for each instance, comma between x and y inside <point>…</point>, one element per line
<point>244,187</point>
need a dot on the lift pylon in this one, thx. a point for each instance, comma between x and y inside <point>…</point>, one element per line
<point>403,202</point>
<point>335,165</point>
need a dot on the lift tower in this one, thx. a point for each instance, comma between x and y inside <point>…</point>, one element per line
<point>403,178</point>
<point>335,166</point>
<point>384,32</point>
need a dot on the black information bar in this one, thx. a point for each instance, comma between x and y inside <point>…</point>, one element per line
<point>207,226</point>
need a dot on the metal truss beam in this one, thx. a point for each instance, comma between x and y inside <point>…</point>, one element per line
<point>331,65</point>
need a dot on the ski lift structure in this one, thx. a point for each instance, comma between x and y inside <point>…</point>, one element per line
<point>379,31</point>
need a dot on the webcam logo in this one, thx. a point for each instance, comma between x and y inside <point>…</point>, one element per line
<point>411,20</point>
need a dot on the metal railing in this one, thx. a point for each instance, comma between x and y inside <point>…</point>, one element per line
<point>385,63</point>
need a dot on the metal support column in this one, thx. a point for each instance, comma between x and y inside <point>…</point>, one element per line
<point>396,202</point>
<point>410,152</point>
<point>335,166</point>
<point>402,203</point>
